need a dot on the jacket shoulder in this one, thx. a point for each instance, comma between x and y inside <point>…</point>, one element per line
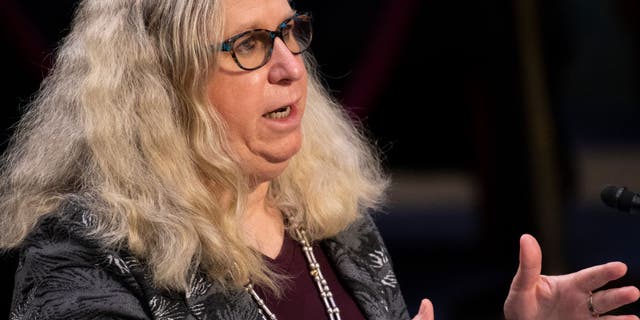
<point>363,262</point>
<point>63,273</point>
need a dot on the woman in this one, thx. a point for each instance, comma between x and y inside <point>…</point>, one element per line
<point>183,161</point>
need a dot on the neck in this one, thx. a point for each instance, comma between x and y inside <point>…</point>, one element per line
<point>263,224</point>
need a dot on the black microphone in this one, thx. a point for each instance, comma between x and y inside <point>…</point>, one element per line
<point>621,198</point>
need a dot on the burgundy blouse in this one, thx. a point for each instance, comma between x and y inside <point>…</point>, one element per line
<point>301,299</point>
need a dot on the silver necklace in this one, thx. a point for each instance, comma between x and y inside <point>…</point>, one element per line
<point>316,274</point>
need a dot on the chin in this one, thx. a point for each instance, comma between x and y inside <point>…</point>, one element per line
<point>269,165</point>
<point>271,168</point>
<point>269,173</point>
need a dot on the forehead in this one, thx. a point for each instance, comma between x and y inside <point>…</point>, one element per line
<point>241,15</point>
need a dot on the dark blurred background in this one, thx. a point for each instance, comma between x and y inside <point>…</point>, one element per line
<point>496,118</point>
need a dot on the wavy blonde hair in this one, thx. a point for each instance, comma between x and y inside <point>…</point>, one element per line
<point>122,122</point>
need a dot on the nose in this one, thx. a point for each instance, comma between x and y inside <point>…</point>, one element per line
<point>284,66</point>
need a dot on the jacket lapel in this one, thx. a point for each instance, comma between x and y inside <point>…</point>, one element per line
<point>353,255</point>
<point>208,301</point>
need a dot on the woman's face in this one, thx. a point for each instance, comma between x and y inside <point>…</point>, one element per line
<point>263,108</point>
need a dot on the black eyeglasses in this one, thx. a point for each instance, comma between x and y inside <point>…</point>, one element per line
<point>252,49</point>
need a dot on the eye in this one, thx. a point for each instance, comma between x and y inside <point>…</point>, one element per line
<point>286,30</point>
<point>246,45</point>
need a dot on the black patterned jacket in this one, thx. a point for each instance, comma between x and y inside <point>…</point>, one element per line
<point>62,274</point>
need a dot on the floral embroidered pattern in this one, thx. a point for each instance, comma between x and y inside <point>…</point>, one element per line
<point>164,309</point>
<point>118,263</point>
<point>390,279</point>
<point>378,259</point>
<point>20,311</point>
<point>198,286</point>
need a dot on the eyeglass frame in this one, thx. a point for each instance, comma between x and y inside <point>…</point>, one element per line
<point>227,45</point>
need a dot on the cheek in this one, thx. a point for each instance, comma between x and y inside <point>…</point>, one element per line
<point>235,101</point>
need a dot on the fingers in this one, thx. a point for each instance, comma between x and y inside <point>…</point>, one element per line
<point>592,278</point>
<point>625,317</point>
<point>530,266</point>
<point>614,317</point>
<point>606,300</point>
<point>426,311</point>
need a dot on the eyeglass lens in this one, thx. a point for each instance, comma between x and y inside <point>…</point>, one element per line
<point>253,49</point>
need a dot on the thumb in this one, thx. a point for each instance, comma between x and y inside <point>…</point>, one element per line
<point>426,311</point>
<point>530,264</point>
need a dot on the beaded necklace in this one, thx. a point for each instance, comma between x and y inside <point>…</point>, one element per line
<point>314,271</point>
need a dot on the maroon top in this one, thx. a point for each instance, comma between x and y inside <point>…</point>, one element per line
<point>301,299</point>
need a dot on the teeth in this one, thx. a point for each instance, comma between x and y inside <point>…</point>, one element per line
<point>279,114</point>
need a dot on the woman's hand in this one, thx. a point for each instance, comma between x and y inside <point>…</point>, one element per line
<point>426,310</point>
<point>533,296</point>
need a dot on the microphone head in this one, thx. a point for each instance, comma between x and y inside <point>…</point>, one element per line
<point>617,197</point>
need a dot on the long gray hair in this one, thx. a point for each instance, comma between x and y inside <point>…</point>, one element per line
<point>122,122</point>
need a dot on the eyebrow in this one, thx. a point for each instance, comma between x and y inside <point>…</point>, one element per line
<point>253,26</point>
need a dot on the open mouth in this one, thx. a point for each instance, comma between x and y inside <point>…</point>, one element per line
<point>279,113</point>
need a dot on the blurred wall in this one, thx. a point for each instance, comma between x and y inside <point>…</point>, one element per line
<point>495,118</point>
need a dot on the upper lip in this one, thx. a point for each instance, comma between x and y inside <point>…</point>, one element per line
<point>292,104</point>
